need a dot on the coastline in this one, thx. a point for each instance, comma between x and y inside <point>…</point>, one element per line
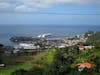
<point>7,31</point>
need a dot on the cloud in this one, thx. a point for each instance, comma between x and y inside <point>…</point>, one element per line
<point>59,1</point>
<point>4,5</point>
<point>35,5</point>
<point>24,8</point>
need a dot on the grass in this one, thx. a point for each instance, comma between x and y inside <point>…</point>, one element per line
<point>49,57</point>
<point>9,69</point>
<point>25,62</point>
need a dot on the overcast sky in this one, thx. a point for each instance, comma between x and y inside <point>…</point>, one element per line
<point>49,12</point>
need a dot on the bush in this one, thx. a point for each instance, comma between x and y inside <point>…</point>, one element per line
<point>20,72</point>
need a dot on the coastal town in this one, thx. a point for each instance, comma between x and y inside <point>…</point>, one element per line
<point>78,54</point>
<point>49,37</point>
<point>43,42</point>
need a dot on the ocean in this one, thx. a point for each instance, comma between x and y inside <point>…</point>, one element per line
<point>7,31</point>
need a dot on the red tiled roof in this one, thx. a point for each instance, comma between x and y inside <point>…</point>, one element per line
<point>80,46</point>
<point>86,64</point>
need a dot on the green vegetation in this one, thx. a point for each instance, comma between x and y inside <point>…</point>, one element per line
<point>94,39</point>
<point>7,70</point>
<point>13,63</point>
<point>56,61</point>
<point>20,38</point>
<point>16,62</point>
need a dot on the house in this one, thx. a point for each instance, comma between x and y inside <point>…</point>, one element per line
<point>27,46</point>
<point>8,50</point>
<point>82,66</point>
<point>16,50</point>
<point>54,42</point>
<point>89,47</point>
<point>81,47</point>
<point>62,45</point>
<point>2,65</point>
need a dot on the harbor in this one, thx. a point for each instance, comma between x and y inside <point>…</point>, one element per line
<point>26,44</point>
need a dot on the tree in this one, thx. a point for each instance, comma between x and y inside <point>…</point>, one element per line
<point>1,52</point>
<point>20,72</point>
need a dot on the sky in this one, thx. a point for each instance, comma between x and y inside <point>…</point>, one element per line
<point>49,12</point>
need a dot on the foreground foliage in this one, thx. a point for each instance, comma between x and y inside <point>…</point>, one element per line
<point>61,61</point>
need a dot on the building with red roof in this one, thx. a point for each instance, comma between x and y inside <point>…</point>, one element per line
<point>81,66</point>
<point>81,47</point>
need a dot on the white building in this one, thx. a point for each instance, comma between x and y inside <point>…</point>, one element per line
<point>62,46</point>
<point>2,65</point>
<point>89,47</point>
<point>27,46</point>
